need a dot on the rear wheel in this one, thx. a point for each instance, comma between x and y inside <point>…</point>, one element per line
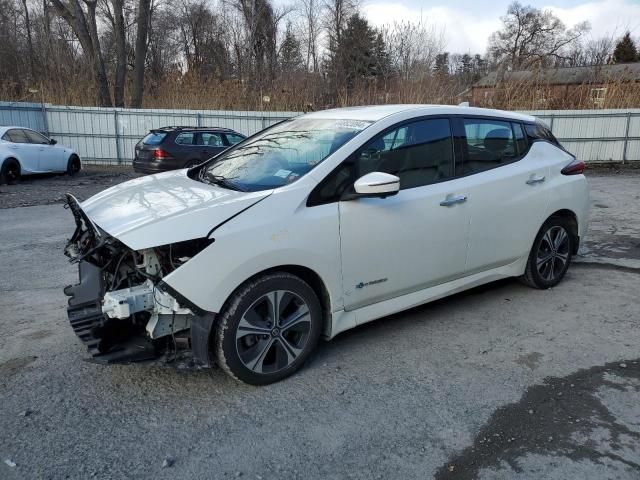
<point>268,329</point>
<point>191,163</point>
<point>10,172</point>
<point>551,254</point>
<point>73,165</point>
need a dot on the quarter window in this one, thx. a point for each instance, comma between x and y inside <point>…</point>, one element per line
<point>489,144</point>
<point>187,138</point>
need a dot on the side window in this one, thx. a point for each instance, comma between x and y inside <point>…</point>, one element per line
<point>186,138</point>
<point>35,137</point>
<point>17,136</point>
<point>233,139</point>
<point>212,139</point>
<point>489,144</point>
<point>521,139</point>
<point>419,153</point>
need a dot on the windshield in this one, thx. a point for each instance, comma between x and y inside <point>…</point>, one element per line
<point>281,154</point>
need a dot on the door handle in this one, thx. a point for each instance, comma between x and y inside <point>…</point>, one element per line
<point>452,200</point>
<point>533,180</point>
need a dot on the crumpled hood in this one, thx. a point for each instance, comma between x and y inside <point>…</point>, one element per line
<point>165,208</point>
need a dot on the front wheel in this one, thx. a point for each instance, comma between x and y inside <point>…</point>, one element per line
<point>268,329</point>
<point>551,254</point>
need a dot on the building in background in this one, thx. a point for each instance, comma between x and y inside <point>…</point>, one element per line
<point>605,86</point>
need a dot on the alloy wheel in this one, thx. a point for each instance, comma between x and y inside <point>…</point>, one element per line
<point>273,332</point>
<point>553,253</point>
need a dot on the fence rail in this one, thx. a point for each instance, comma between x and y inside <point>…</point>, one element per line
<point>109,135</point>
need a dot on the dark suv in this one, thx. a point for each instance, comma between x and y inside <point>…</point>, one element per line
<point>170,148</point>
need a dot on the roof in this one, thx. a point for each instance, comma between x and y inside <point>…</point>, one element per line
<point>568,75</point>
<point>176,128</point>
<point>373,113</point>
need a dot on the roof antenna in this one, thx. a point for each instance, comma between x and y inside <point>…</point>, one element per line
<point>463,104</point>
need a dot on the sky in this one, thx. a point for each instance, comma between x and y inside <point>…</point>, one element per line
<point>467,24</point>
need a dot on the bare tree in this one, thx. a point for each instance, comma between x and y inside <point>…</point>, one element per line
<point>311,12</point>
<point>413,47</point>
<point>82,21</point>
<point>530,36</point>
<point>142,35</point>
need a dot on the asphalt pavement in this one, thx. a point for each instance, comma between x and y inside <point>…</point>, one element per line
<point>502,382</point>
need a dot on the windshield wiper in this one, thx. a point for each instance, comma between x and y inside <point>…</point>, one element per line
<point>225,182</point>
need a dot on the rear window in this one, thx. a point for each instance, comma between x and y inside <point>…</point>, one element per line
<point>154,138</point>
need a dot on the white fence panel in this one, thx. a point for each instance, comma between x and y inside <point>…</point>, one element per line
<point>109,135</point>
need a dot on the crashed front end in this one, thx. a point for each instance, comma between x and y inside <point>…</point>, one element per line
<point>121,309</point>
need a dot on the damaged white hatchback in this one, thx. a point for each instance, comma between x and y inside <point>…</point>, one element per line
<point>316,225</point>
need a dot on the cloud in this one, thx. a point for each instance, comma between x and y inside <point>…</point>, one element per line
<point>467,30</point>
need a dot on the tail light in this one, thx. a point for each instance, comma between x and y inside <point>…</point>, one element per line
<point>574,168</point>
<point>160,154</point>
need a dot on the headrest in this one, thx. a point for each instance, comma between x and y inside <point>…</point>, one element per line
<point>497,139</point>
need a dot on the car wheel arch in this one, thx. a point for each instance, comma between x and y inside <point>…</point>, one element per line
<point>308,275</point>
<point>572,220</point>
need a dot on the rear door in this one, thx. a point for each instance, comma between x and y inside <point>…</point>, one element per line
<point>50,158</point>
<point>212,144</point>
<point>506,191</point>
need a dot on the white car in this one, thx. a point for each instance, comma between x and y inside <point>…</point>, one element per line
<point>318,224</point>
<point>24,152</point>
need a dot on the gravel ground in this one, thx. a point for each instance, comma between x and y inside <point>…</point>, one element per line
<point>49,189</point>
<point>502,382</point>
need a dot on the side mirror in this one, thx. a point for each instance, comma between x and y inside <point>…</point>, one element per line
<point>52,142</point>
<point>377,184</point>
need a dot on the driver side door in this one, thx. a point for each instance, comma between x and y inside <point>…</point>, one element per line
<point>415,239</point>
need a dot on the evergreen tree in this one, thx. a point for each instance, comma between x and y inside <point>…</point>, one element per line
<point>290,54</point>
<point>442,64</point>
<point>625,51</point>
<point>360,53</point>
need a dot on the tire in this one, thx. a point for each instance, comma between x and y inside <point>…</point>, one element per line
<point>73,165</point>
<point>191,163</point>
<point>10,172</point>
<point>550,255</point>
<point>250,347</point>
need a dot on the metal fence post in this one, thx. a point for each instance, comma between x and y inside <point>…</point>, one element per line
<point>626,138</point>
<point>551,122</point>
<point>115,124</point>
<point>199,119</point>
<point>44,119</point>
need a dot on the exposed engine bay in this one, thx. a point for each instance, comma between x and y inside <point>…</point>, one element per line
<point>121,309</point>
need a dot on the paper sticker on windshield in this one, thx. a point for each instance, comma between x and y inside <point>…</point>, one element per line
<point>282,173</point>
<point>352,124</point>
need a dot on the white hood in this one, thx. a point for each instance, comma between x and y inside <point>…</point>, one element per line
<point>165,208</point>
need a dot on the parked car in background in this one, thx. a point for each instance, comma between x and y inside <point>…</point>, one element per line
<point>171,148</point>
<point>318,224</point>
<point>24,152</point>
